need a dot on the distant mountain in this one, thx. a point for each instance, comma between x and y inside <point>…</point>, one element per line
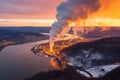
<point>8,37</point>
<point>98,32</point>
<point>28,29</point>
<point>18,36</point>
<point>94,53</point>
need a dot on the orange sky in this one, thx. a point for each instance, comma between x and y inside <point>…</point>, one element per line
<point>12,12</point>
<point>42,12</point>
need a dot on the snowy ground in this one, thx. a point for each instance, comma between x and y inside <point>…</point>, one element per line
<point>99,71</point>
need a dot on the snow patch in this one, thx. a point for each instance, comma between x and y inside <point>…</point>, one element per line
<point>83,73</point>
<point>85,59</point>
<point>101,70</point>
<point>96,56</point>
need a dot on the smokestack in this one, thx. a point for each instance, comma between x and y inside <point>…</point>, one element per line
<point>72,11</point>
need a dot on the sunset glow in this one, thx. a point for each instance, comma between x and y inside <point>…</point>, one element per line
<point>28,12</point>
<point>42,13</point>
<point>25,22</point>
<point>97,22</point>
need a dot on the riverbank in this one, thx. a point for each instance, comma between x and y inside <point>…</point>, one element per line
<point>10,37</point>
<point>4,43</point>
<point>21,62</point>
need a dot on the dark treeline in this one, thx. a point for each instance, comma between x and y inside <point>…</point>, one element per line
<point>71,74</point>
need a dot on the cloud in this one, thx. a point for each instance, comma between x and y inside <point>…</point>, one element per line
<point>43,9</point>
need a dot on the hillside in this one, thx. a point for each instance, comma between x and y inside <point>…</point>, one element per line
<point>8,37</point>
<point>94,53</point>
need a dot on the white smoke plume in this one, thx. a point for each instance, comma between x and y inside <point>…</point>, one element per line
<point>83,30</point>
<point>72,11</point>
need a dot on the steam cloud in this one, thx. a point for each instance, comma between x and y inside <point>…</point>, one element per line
<point>72,11</point>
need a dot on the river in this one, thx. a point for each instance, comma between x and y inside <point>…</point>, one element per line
<point>18,62</point>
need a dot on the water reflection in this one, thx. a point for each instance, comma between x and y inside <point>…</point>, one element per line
<point>18,62</point>
<point>57,64</point>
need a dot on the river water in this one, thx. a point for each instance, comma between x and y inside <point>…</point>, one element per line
<point>18,62</point>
